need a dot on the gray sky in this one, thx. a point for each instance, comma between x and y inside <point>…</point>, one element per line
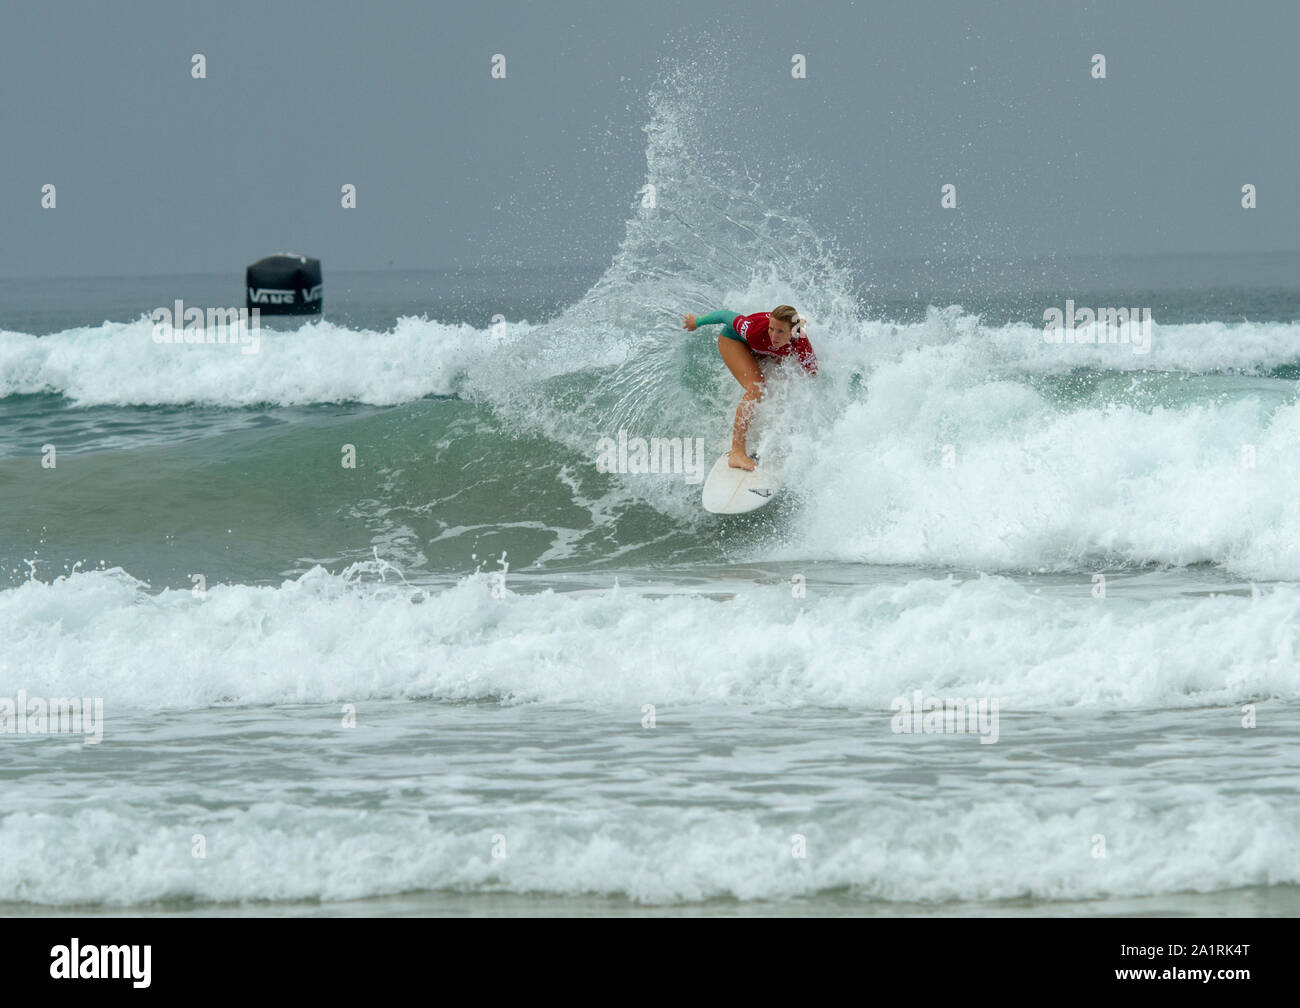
<point>160,173</point>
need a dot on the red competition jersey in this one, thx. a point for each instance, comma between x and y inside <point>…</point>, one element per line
<point>754,329</point>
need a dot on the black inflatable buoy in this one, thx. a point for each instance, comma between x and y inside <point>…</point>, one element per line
<point>285,284</point>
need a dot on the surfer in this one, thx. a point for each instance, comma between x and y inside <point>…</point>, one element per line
<point>778,333</point>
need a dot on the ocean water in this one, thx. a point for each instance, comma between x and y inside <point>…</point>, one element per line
<point>475,675</point>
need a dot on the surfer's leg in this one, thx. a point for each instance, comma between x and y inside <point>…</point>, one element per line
<point>742,363</point>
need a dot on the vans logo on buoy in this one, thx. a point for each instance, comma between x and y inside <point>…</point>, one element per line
<point>285,284</point>
<point>271,295</point>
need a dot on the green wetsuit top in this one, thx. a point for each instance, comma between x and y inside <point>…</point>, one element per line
<point>727,318</point>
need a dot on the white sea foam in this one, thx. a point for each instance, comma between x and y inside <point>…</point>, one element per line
<point>118,364</point>
<point>932,465</point>
<point>894,849</point>
<point>326,637</point>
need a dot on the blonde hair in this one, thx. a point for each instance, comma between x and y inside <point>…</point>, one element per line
<point>788,315</point>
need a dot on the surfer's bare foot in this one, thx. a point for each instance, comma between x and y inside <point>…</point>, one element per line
<point>739,460</point>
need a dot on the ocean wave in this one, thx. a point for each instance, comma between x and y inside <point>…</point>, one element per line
<point>917,849</point>
<point>119,364</point>
<point>337,637</point>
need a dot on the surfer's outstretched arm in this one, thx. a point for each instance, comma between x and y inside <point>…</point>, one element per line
<point>692,322</point>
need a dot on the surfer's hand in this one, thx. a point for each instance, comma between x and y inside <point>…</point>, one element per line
<point>739,460</point>
<point>688,323</point>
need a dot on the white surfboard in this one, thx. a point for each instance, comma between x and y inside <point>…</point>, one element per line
<point>735,491</point>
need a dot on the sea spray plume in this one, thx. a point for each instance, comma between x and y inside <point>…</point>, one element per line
<point>708,237</point>
<point>712,237</point>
